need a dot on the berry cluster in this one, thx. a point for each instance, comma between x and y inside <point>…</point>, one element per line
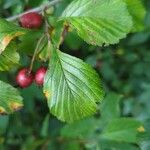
<point>25,76</point>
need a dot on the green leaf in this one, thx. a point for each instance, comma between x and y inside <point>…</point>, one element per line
<point>45,126</point>
<point>44,55</point>
<point>8,31</point>
<point>99,21</point>
<point>56,33</point>
<point>28,42</point>
<point>3,124</point>
<point>10,99</point>
<point>138,12</point>
<point>56,36</point>
<point>80,129</point>
<point>9,58</point>
<point>72,87</point>
<point>122,130</point>
<point>145,136</point>
<point>110,107</point>
<point>73,41</point>
<point>71,145</point>
<point>106,145</point>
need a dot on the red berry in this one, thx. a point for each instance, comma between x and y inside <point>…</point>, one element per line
<point>31,20</point>
<point>24,78</point>
<point>39,76</point>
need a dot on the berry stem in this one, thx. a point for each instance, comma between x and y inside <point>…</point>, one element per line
<point>35,52</point>
<point>37,9</point>
<point>48,28</point>
<point>47,32</point>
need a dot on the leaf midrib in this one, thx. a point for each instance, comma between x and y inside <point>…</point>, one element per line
<point>63,72</point>
<point>67,81</point>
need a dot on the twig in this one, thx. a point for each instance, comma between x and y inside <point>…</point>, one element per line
<point>35,52</point>
<point>37,9</point>
<point>47,31</point>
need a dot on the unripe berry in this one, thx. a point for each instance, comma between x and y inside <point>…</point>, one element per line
<point>39,76</point>
<point>24,78</point>
<point>31,20</point>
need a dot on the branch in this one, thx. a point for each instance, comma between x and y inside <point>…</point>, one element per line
<point>37,9</point>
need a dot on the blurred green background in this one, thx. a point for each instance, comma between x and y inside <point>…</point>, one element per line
<point>125,71</point>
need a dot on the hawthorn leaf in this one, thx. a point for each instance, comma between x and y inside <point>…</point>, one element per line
<point>9,58</point>
<point>99,21</point>
<point>138,12</point>
<point>10,99</point>
<point>29,41</point>
<point>45,126</point>
<point>71,145</point>
<point>4,121</point>
<point>106,145</point>
<point>72,87</point>
<point>8,31</point>
<point>56,34</point>
<point>56,37</point>
<point>80,129</point>
<point>122,130</point>
<point>44,55</point>
<point>110,108</point>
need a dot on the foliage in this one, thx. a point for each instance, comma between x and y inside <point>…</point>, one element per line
<point>73,89</point>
